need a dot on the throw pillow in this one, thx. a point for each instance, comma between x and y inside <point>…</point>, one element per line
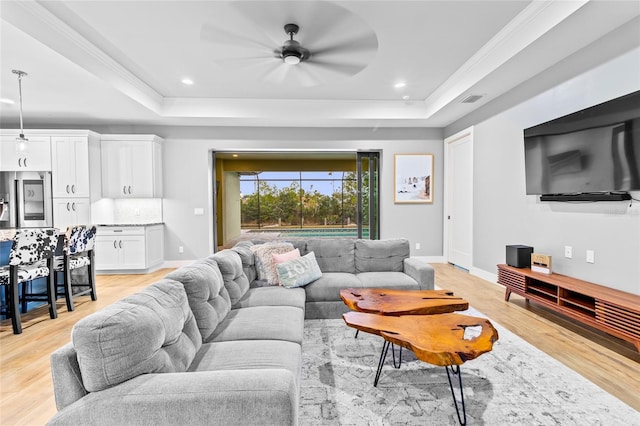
<point>265,265</point>
<point>279,258</point>
<point>300,271</point>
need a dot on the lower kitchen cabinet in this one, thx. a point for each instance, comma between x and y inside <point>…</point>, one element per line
<point>129,249</point>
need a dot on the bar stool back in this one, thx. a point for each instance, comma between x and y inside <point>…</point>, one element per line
<point>31,257</point>
<point>77,252</point>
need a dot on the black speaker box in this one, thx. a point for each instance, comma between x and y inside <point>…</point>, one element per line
<point>519,256</point>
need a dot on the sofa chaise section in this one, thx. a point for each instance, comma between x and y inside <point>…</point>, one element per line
<point>142,360</point>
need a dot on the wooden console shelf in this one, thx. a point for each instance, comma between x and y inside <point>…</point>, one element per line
<point>612,311</point>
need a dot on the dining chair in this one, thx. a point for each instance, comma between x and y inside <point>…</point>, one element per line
<point>77,252</point>
<point>31,257</point>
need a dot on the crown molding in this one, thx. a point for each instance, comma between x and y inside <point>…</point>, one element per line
<point>35,20</point>
<point>538,18</point>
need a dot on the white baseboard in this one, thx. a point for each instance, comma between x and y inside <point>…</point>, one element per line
<point>487,276</point>
<point>176,263</point>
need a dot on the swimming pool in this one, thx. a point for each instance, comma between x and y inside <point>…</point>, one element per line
<point>316,232</point>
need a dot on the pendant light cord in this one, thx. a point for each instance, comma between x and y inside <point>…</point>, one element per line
<point>20,75</point>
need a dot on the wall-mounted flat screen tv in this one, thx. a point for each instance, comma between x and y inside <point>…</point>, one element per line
<point>596,150</point>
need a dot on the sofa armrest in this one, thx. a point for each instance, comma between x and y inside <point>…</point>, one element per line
<point>420,271</point>
<point>67,380</point>
<point>230,397</point>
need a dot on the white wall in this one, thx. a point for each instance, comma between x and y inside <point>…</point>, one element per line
<point>186,186</point>
<point>504,215</point>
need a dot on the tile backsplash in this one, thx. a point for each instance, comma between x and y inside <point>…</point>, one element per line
<point>128,211</point>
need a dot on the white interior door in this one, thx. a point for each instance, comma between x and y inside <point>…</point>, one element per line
<point>459,213</point>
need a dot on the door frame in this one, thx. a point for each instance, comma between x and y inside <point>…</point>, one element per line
<point>468,132</point>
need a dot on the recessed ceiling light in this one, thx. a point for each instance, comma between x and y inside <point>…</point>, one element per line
<point>187,81</point>
<point>234,155</point>
<point>405,97</point>
<point>400,85</point>
<point>7,101</point>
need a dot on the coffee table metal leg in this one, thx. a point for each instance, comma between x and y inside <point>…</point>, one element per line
<point>383,356</point>
<point>455,371</point>
<point>393,352</point>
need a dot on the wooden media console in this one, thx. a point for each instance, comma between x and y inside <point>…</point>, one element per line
<point>612,311</point>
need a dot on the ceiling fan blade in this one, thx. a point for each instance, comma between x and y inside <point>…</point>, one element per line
<point>215,35</point>
<point>360,43</point>
<point>241,61</point>
<point>337,67</point>
<point>277,73</point>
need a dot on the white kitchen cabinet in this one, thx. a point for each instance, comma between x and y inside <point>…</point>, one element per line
<point>129,249</point>
<point>70,166</point>
<point>131,166</point>
<point>71,211</point>
<point>37,155</point>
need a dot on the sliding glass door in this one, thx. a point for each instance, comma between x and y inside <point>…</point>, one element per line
<point>368,177</point>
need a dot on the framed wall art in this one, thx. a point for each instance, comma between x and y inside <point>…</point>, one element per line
<point>413,174</point>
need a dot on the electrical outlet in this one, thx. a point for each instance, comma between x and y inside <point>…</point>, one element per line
<point>180,249</point>
<point>417,246</point>
<point>568,252</point>
<point>591,256</point>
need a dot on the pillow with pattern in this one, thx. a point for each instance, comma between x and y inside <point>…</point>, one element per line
<point>299,272</point>
<point>265,263</point>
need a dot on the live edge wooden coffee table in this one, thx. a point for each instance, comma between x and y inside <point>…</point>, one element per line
<point>444,339</point>
<point>395,302</point>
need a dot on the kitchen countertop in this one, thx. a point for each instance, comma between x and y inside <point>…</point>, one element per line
<point>130,224</point>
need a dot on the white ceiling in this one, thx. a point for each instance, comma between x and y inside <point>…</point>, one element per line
<point>122,62</point>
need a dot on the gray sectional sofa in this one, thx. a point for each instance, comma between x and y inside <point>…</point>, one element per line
<point>207,345</point>
<point>347,262</point>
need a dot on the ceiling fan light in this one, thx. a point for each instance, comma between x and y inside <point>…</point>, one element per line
<point>291,58</point>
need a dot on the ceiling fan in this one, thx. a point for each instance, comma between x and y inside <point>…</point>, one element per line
<point>292,52</point>
<point>330,45</point>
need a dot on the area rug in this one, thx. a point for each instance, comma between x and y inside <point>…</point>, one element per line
<point>514,384</point>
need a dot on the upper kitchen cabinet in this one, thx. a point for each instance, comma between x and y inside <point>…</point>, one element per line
<point>70,166</point>
<point>36,155</point>
<point>131,166</point>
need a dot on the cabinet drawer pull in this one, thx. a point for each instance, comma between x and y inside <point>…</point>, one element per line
<point>67,189</point>
<point>73,206</point>
<point>68,209</point>
<point>120,244</point>
<point>25,162</point>
<point>73,189</point>
<point>129,189</point>
<point>19,162</point>
<point>124,189</point>
<point>114,244</point>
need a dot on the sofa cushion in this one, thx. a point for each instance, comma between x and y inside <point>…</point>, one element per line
<point>233,275</point>
<point>298,272</point>
<point>327,287</point>
<point>272,296</point>
<point>250,355</point>
<point>381,255</point>
<point>396,280</point>
<point>333,254</point>
<point>261,323</point>
<point>207,294</point>
<point>152,331</point>
<point>265,264</point>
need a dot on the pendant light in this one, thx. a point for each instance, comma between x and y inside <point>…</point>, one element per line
<point>21,142</point>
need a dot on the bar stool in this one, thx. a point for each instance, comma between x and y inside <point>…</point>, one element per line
<point>77,252</point>
<point>31,257</point>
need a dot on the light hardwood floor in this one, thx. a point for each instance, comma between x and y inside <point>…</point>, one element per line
<point>26,390</point>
